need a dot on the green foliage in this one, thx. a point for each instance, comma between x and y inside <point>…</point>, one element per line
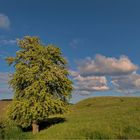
<point>2,126</point>
<point>40,82</point>
<point>10,60</point>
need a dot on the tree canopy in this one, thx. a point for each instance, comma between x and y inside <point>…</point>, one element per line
<point>40,82</point>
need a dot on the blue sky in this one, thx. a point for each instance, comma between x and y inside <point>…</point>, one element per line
<point>90,33</point>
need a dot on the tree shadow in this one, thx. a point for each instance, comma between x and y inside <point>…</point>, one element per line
<point>50,121</point>
<point>46,123</point>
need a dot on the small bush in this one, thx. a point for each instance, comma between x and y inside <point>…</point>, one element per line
<point>8,130</point>
<point>2,126</point>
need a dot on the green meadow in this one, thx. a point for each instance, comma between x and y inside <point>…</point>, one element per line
<point>93,118</point>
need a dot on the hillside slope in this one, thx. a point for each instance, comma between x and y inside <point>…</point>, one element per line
<point>94,118</point>
<point>100,117</point>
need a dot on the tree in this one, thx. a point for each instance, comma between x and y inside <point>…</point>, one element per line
<point>40,83</point>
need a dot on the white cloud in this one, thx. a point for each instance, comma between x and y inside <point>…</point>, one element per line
<point>87,85</point>
<point>4,22</point>
<point>106,66</point>
<point>7,42</point>
<point>97,75</point>
<point>127,84</point>
<point>73,73</point>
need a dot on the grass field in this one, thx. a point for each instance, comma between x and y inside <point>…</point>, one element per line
<point>94,118</point>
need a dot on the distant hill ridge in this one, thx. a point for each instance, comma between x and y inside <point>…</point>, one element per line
<point>6,99</point>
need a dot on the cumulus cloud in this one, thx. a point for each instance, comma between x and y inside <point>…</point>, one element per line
<point>73,73</point>
<point>105,73</point>
<point>127,84</point>
<point>4,22</point>
<point>106,66</point>
<point>86,85</point>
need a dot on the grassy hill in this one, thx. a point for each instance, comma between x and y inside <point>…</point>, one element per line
<point>95,118</point>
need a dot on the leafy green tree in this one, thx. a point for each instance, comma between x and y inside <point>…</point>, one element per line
<point>40,83</point>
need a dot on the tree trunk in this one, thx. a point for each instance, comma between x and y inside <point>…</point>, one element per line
<point>35,127</point>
